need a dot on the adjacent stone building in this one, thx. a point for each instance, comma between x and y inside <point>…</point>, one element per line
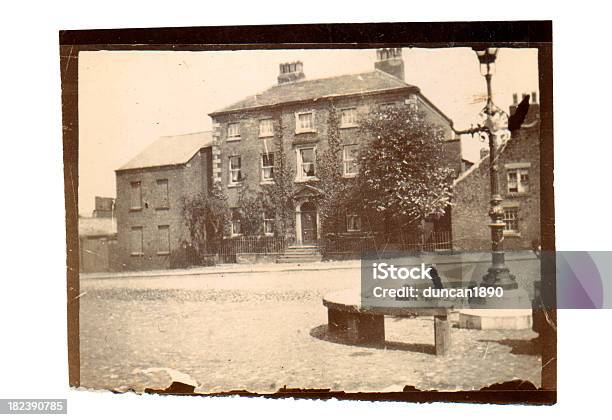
<point>519,184</point>
<point>292,118</point>
<point>150,229</point>
<point>98,238</point>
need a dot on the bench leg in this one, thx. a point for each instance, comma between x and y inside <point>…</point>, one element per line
<point>366,329</point>
<point>337,321</point>
<point>442,333</point>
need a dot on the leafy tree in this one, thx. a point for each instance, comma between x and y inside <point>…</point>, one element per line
<point>403,172</point>
<point>206,216</point>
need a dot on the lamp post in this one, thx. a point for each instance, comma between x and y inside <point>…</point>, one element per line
<point>496,128</point>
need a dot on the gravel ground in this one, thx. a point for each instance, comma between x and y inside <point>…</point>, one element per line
<point>263,331</point>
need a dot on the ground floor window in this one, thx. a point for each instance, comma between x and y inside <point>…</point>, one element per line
<point>163,240</point>
<point>136,240</point>
<point>353,221</point>
<point>511,220</point>
<point>236,228</point>
<point>268,225</point>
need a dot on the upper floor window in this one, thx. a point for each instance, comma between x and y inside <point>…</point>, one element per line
<point>235,169</point>
<point>412,102</point>
<point>163,201</point>
<point>349,160</point>
<point>387,105</point>
<point>266,128</point>
<point>348,118</point>
<point>135,195</point>
<point>353,221</point>
<point>233,131</point>
<point>267,167</point>
<point>518,180</point>
<point>511,220</point>
<point>306,162</point>
<point>304,122</point>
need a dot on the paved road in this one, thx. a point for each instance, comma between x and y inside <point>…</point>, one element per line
<point>263,331</point>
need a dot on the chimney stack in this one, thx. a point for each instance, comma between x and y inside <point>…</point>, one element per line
<point>534,107</point>
<point>390,61</point>
<point>103,207</point>
<point>290,72</point>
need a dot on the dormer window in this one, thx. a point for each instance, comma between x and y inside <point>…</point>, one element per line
<point>304,122</point>
<point>233,131</point>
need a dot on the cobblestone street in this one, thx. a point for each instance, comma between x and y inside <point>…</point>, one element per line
<point>263,331</point>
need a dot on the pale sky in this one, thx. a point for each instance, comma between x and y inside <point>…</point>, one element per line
<point>127,99</point>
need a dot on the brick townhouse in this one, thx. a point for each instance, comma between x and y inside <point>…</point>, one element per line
<point>519,184</point>
<point>150,228</point>
<point>246,134</point>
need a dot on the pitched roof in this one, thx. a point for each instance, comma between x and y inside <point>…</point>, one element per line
<point>500,152</point>
<point>349,84</point>
<point>170,150</point>
<point>463,175</point>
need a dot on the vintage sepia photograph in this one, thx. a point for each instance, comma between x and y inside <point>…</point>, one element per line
<point>233,204</point>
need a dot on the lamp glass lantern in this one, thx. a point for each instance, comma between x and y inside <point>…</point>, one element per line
<point>487,57</point>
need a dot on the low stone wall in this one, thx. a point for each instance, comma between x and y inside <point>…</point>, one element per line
<point>251,258</point>
<point>341,256</point>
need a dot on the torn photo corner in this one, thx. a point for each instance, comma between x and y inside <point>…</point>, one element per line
<point>273,212</point>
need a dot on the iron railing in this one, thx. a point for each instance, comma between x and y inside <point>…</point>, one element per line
<point>385,242</point>
<point>229,247</point>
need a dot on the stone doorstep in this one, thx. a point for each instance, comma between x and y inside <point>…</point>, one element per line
<point>302,251</point>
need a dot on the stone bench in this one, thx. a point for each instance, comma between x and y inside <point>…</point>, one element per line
<point>366,325</point>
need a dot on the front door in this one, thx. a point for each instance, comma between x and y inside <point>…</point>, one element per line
<point>309,223</point>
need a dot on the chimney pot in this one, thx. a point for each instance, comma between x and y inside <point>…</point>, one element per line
<point>290,72</point>
<point>390,61</point>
